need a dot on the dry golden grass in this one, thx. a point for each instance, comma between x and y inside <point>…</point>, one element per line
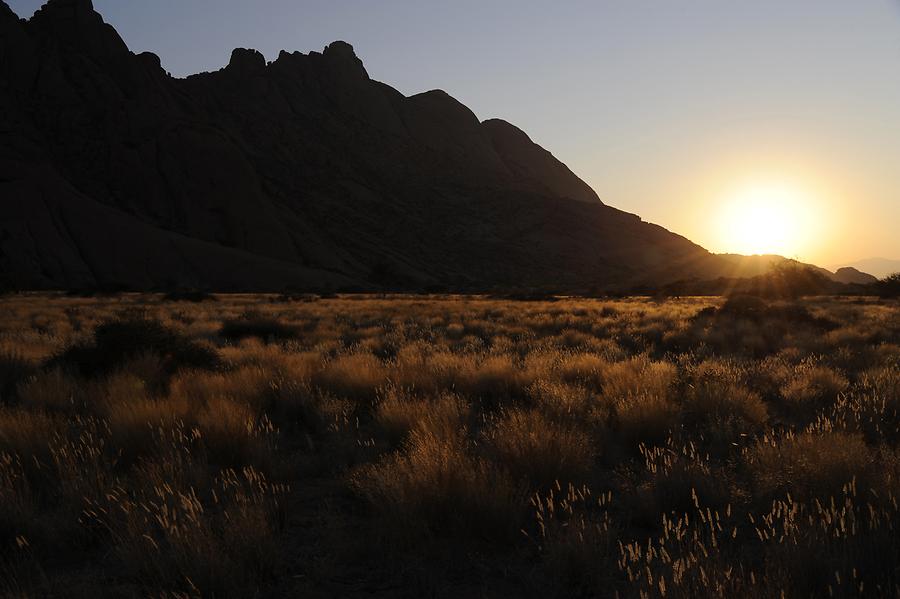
<point>433,445</point>
<point>53,390</point>
<point>812,385</point>
<point>539,450</point>
<point>437,486</point>
<point>399,413</point>
<point>810,465</point>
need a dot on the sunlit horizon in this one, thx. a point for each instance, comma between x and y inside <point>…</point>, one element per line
<point>768,217</point>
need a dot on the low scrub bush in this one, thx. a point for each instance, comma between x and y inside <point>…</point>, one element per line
<point>116,342</point>
<point>809,465</point>
<point>437,486</point>
<point>259,326</point>
<point>14,369</point>
<point>540,451</point>
<point>399,413</point>
<point>189,295</point>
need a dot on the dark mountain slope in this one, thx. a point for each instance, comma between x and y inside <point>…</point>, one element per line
<point>299,173</point>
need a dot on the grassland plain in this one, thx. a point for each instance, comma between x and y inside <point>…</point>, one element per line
<point>249,445</point>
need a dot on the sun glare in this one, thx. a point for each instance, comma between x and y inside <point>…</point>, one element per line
<point>765,219</point>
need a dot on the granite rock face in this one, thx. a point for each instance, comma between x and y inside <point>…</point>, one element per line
<point>299,173</point>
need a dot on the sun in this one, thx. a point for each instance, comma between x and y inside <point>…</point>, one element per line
<point>765,219</point>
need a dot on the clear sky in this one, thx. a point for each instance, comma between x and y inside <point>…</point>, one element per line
<point>691,113</point>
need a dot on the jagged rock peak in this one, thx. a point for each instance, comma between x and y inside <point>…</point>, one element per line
<point>342,49</point>
<point>341,56</point>
<point>150,59</point>
<point>5,10</point>
<point>67,8</point>
<point>76,22</point>
<point>246,60</point>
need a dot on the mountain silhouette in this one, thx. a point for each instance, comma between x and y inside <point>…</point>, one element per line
<point>298,173</point>
<point>879,267</point>
<point>853,276</point>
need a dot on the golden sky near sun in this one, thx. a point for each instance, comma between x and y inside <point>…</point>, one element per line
<point>791,211</point>
<point>768,217</point>
<point>813,203</point>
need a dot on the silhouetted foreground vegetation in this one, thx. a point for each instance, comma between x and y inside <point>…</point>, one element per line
<point>435,446</point>
<point>788,280</point>
<point>889,287</point>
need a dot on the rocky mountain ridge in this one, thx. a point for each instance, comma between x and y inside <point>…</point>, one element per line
<point>299,173</point>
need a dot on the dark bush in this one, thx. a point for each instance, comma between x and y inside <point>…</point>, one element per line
<point>791,280</point>
<point>756,309</point>
<point>118,341</point>
<point>13,370</point>
<point>255,325</point>
<point>435,289</point>
<point>800,315</point>
<point>889,287</point>
<point>194,296</point>
<point>707,312</point>
<point>527,295</point>
<point>285,298</point>
<point>744,306</point>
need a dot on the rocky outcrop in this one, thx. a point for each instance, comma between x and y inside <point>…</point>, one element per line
<point>302,172</point>
<point>851,276</point>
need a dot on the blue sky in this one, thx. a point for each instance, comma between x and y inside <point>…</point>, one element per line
<point>667,108</point>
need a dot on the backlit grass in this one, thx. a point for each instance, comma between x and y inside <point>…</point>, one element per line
<point>410,446</point>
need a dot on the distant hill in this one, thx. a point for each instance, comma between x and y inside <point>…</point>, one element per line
<point>298,173</point>
<point>879,267</point>
<point>752,266</point>
<point>853,276</point>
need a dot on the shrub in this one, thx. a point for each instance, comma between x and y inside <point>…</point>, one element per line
<point>539,450</point>
<point>14,369</point>
<point>436,486</point>
<point>677,481</point>
<point>747,306</point>
<point>889,287</point>
<point>723,412</point>
<point>255,325</point>
<point>134,422</point>
<point>354,376</point>
<point>117,342</point>
<point>172,540</point>
<point>51,390</point>
<point>399,413</point>
<point>885,382</point>
<point>189,295</point>
<point>232,436</point>
<point>587,369</point>
<point>644,418</point>
<point>638,376</point>
<point>758,311</point>
<point>493,379</point>
<point>564,402</point>
<point>17,506</point>
<point>809,465</point>
<point>812,386</point>
<point>251,386</point>
<point>26,434</point>
<point>577,540</point>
